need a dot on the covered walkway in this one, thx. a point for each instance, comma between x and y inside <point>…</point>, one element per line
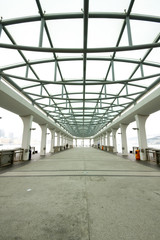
<point>80,194</point>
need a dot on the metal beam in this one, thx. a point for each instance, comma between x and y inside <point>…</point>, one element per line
<point>106,15</point>
<point>80,50</point>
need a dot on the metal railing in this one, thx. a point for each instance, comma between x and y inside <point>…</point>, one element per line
<point>10,156</point>
<point>153,155</point>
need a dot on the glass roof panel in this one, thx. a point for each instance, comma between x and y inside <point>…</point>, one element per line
<point>71,69</point>
<point>10,57</point>
<point>114,89</point>
<point>45,73</point>
<point>19,31</point>
<point>70,37</point>
<point>63,64</point>
<point>146,7</point>
<point>93,89</point>
<point>33,55</point>
<point>123,75</point>
<point>149,70</point>
<point>97,69</point>
<point>17,8</point>
<point>108,6</point>
<point>141,31</point>
<point>60,6</point>
<point>76,96</point>
<point>136,54</point>
<point>74,89</point>
<point>103,32</point>
<point>154,56</point>
<point>54,89</point>
<point>23,83</point>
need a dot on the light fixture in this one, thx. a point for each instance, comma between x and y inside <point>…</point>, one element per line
<point>135,128</point>
<point>32,128</point>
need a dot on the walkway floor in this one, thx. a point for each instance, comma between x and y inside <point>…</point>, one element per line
<point>80,194</point>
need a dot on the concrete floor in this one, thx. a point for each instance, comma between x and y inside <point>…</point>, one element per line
<point>80,194</point>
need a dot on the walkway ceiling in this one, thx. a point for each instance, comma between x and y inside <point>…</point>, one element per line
<point>82,62</point>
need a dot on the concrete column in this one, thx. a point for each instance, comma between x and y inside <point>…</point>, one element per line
<point>124,139</point>
<point>142,139</point>
<point>108,139</point>
<point>90,142</point>
<point>105,142</point>
<point>27,124</point>
<point>52,140</point>
<point>104,139</point>
<point>66,139</point>
<point>62,142</point>
<point>76,142</point>
<point>43,139</point>
<point>101,140</point>
<point>114,130</point>
<point>58,139</point>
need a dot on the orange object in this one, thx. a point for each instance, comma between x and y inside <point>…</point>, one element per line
<point>102,147</point>
<point>137,154</point>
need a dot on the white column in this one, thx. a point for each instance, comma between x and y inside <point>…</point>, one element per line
<point>62,142</point>
<point>101,139</point>
<point>90,142</point>
<point>58,139</point>
<point>142,139</point>
<point>114,130</point>
<point>52,140</point>
<point>27,124</point>
<point>104,139</point>
<point>105,142</point>
<point>124,139</point>
<point>66,139</point>
<point>108,138</point>
<point>43,139</point>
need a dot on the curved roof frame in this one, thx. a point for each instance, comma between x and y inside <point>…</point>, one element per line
<point>82,112</point>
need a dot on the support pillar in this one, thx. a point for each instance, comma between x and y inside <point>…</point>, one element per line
<point>124,139</point>
<point>101,140</point>
<point>104,136</point>
<point>52,140</point>
<point>27,124</point>
<point>105,142</point>
<point>141,131</point>
<point>43,139</point>
<point>58,139</point>
<point>76,142</point>
<point>62,142</point>
<point>108,139</point>
<point>114,130</point>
